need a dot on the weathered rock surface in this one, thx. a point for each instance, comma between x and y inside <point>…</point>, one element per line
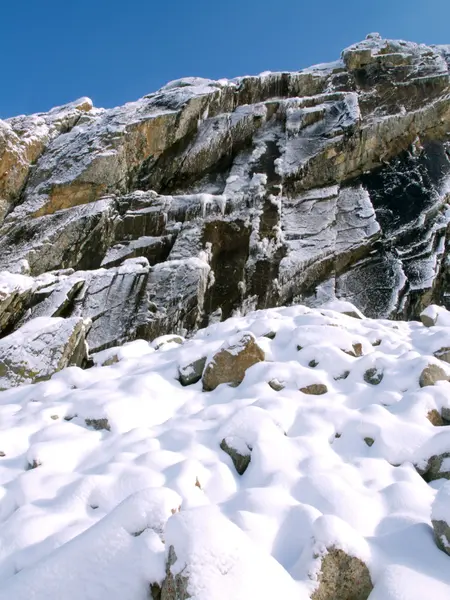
<point>342,577</point>
<point>232,361</point>
<point>331,182</point>
<point>40,348</point>
<point>432,374</point>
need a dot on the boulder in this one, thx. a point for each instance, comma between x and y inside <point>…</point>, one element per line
<point>431,374</point>
<point>342,577</point>
<point>231,362</point>
<point>192,372</point>
<point>40,348</point>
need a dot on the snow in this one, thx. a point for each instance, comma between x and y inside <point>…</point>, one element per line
<point>128,463</point>
<point>441,505</point>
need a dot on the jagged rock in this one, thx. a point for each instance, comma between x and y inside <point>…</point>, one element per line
<point>342,577</point>
<point>15,294</point>
<point>369,441</point>
<point>40,348</point>
<point>431,374</point>
<point>239,452</point>
<point>440,518</point>
<point>315,389</point>
<point>247,193</point>
<point>23,139</point>
<point>232,361</point>
<point>192,373</point>
<point>174,586</point>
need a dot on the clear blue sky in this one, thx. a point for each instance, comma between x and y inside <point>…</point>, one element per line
<point>54,51</point>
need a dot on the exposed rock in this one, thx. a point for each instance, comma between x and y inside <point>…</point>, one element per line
<point>431,374</point>
<point>40,348</point>
<point>192,373</point>
<point>369,441</point>
<point>15,295</point>
<point>443,354</point>
<point>343,577</point>
<point>435,418</point>
<point>174,586</point>
<point>239,451</point>
<point>231,362</point>
<point>276,385</point>
<point>315,389</point>
<point>98,424</point>
<point>373,376</point>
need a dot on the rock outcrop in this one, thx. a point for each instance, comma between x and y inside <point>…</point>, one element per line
<point>40,348</point>
<point>209,198</point>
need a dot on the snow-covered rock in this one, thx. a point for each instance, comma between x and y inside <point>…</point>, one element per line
<point>440,516</point>
<point>40,348</point>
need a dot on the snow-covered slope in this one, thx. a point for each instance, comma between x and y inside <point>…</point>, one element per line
<point>113,480</point>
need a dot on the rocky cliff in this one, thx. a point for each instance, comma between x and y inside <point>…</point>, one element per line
<point>212,198</point>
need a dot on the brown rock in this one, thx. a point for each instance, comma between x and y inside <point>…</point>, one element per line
<point>435,418</point>
<point>431,374</point>
<point>315,389</point>
<point>230,363</point>
<point>343,577</point>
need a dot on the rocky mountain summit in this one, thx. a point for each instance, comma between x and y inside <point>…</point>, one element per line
<point>208,199</point>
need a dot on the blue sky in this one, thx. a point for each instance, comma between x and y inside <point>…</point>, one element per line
<point>54,51</point>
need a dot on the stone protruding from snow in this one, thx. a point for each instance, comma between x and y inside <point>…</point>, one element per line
<point>440,518</point>
<point>443,354</point>
<point>315,389</point>
<point>40,348</point>
<point>192,372</point>
<point>432,374</point>
<point>230,364</point>
<point>343,577</point>
<point>239,452</point>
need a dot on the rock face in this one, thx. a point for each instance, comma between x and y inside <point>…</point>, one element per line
<point>232,361</point>
<point>211,198</point>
